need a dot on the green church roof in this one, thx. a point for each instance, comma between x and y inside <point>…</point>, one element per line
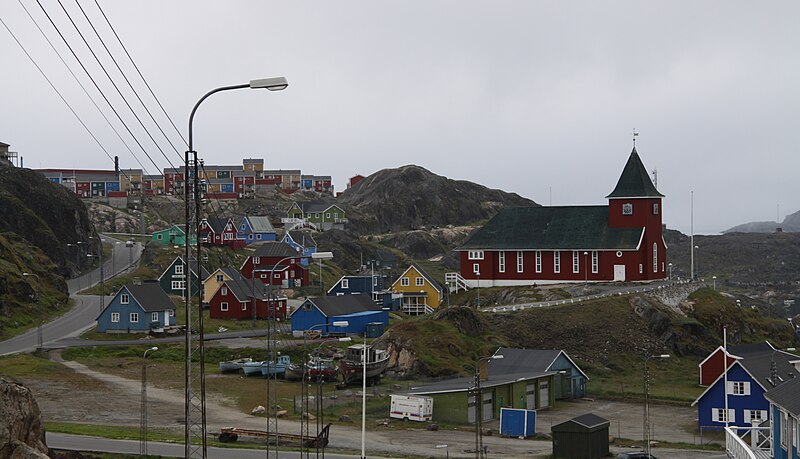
<point>635,181</point>
<point>551,228</point>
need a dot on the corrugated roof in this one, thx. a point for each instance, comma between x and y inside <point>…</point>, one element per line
<point>515,360</point>
<point>787,396</point>
<point>590,420</point>
<point>276,249</point>
<point>551,228</point>
<point>233,273</point>
<point>244,289</point>
<point>635,181</point>
<point>759,364</point>
<point>343,304</point>
<point>150,296</point>
<point>464,384</point>
<point>260,224</point>
<point>217,224</point>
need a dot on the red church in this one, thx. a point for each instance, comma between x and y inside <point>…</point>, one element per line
<point>546,245</point>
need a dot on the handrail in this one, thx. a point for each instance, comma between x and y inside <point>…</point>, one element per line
<point>736,447</point>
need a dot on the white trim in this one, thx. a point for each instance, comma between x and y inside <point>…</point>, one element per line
<point>561,351</point>
<point>335,284</point>
<point>722,376</point>
<point>520,261</point>
<point>501,261</point>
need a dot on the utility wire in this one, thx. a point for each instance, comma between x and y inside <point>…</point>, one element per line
<point>139,72</point>
<point>113,83</point>
<point>102,42</point>
<point>81,85</point>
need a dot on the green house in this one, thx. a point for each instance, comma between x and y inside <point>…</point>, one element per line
<point>174,235</point>
<point>319,214</point>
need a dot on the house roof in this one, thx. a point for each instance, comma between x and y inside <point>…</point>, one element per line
<point>467,383</point>
<point>243,289</point>
<point>786,396</point>
<point>721,377</point>
<point>304,238</point>
<point>515,360</point>
<point>589,420</point>
<point>217,224</point>
<point>342,305</point>
<point>260,224</point>
<point>759,365</point>
<point>754,348</point>
<point>232,273</point>
<point>635,181</point>
<point>192,267</point>
<point>276,249</point>
<point>313,206</point>
<point>150,296</point>
<point>550,228</point>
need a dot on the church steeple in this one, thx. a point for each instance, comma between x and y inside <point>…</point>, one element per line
<point>635,181</point>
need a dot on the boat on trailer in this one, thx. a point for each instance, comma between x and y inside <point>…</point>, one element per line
<point>352,365</point>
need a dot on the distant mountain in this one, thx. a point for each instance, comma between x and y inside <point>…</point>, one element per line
<point>412,197</point>
<point>790,224</point>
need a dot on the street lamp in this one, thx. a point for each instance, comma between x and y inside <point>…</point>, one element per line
<point>479,453</point>
<point>77,257</point>
<point>143,420</point>
<point>39,332</point>
<point>694,263</point>
<point>478,274</point>
<point>714,278</point>
<point>646,421</point>
<point>670,271</point>
<point>446,448</point>
<point>586,270</point>
<point>321,256</point>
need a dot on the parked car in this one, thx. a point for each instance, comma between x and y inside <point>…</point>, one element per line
<point>635,455</point>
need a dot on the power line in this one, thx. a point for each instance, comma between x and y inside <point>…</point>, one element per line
<point>139,72</point>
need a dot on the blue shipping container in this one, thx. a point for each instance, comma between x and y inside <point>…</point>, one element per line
<point>517,423</point>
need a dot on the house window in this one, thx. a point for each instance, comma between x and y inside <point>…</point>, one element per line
<point>263,276</point>
<point>154,317</point>
<point>784,429</point>
<point>755,416</point>
<point>738,388</point>
<point>475,255</point>
<point>501,262</point>
<point>178,269</point>
<point>250,236</point>
<point>115,317</point>
<point>420,282</point>
<point>244,306</point>
<point>328,215</point>
<point>719,415</point>
<point>224,291</point>
<point>374,281</point>
<point>227,236</point>
<point>595,262</point>
<point>219,278</point>
<point>556,262</point>
<point>476,268</point>
<point>655,208</point>
<point>519,262</point>
<point>655,257</point>
<point>258,236</point>
<point>256,260</point>
<point>405,282</point>
<point>178,285</point>
<point>134,317</point>
<point>627,209</point>
<point>345,283</point>
<point>538,261</point>
<point>640,268</point>
<point>159,236</point>
<point>576,261</point>
<point>223,306</point>
<point>124,298</point>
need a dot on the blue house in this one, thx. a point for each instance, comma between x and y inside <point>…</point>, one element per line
<point>375,286</point>
<point>256,229</point>
<point>570,381</point>
<point>756,369</point>
<point>137,308</point>
<point>784,403</point>
<point>303,242</point>
<point>321,312</point>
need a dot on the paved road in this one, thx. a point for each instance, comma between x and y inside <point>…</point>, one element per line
<point>83,314</point>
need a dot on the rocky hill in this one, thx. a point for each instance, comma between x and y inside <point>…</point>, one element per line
<point>22,432</point>
<point>411,197</point>
<point>790,224</point>
<point>46,215</point>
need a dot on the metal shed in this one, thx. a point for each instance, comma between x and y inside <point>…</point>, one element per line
<point>582,437</point>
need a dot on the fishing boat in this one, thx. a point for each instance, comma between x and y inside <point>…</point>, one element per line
<point>276,368</point>
<point>253,368</point>
<point>316,367</point>
<point>352,365</point>
<point>232,366</point>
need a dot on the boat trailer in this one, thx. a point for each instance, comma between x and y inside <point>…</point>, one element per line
<point>231,434</point>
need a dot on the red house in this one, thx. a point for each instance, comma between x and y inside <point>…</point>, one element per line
<point>237,299</point>
<point>279,259</point>
<point>618,242</point>
<point>712,366</point>
<point>220,231</point>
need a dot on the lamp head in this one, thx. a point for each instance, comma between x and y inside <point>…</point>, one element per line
<point>272,84</point>
<point>345,339</point>
<point>322,255</point>
<point>664,356</point>
<point>154,348</point>
<point>341,323</point>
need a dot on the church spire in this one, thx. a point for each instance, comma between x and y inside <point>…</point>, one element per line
<point>635,181</point>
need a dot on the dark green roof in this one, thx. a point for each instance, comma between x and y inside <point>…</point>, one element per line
<point>550,228</point>
<point>635,181</point>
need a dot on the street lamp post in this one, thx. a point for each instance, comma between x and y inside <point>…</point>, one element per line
<point>586,270</point>
<point>670,271</point>
<point>714,278</point>
<point>271,84</point>
<point>319,405</point>
<point>479,453</point>
<point>478,274</point>
<point>646,421</point>
<point>143,414</point>
<point>39,332</point>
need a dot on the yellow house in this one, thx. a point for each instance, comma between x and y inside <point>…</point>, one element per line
<point>421,293</point>
<point>215,280</point>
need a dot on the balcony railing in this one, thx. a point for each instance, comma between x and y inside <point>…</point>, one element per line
<point>737,448</point>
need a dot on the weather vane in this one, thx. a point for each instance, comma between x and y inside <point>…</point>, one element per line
<point>635,134</point>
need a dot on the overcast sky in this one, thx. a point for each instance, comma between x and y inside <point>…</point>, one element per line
<point>524,96</point>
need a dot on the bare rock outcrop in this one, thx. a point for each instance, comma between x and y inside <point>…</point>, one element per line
<point>21,427</point>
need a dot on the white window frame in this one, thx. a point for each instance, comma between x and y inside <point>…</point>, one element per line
<point>538,261</point>
<point>224,291</point>
<point>256,260</point>
<point>244,306</point>
<point>501,261</point>
<point>220,278</point>
<point>178,285</point>
<point>475,255</point>
<point>627,209</point>
<point>784,429</point>
<point>576,261</point>
<point>655,208</point>
<point>115,317</point>
<point>595,262</point>
<point>476,268</point>
<point>419,282</point>
<point>227,236</point>
<point>718,415</point>
<point>134,318</point>
<point>641,269</point>
<point>520,261</point>
<point>755,416</point>
<point>124,299</point>
<point>178,269</point>
<point>655,257</point>
<point>345,283</point>
<point>556,262</point>
<point>154,317</point>
<point>223,306</point>
<point>405,282</point>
